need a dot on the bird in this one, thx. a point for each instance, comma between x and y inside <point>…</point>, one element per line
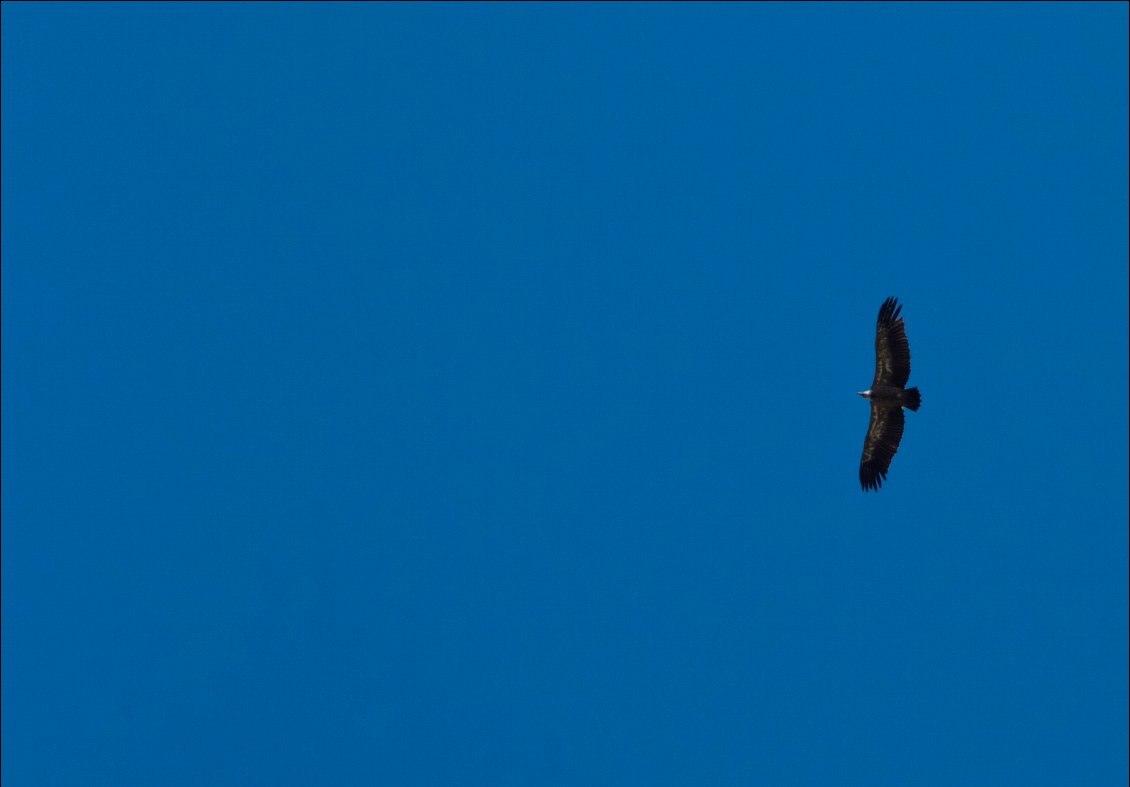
<point>888,395</point>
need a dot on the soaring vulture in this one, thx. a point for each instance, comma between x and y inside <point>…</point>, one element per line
<point>888,395</point>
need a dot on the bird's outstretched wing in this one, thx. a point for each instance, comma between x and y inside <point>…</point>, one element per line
<point>881,444</point>
<point>892,352</point>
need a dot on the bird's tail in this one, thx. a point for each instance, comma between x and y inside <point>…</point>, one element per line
<point>911,398</point>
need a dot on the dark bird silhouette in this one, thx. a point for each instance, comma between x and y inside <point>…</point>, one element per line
<point>888,395</point>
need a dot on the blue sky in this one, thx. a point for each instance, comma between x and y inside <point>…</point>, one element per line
<point>465,394</point>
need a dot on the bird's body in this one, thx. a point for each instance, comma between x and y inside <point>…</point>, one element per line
<point>888,396</point>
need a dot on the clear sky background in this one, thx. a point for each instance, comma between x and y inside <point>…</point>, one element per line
<point>436,394</point>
